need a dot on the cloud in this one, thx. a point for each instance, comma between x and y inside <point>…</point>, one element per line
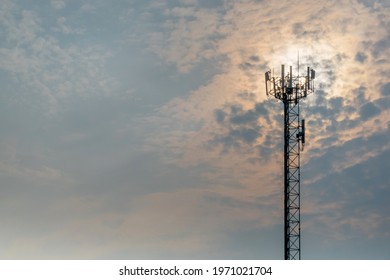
<point>381,47</point>
<point>41,66</point>
<point>242,126</point>
<point>66,29</point>
<point>352,192</point>
<point>361,57</point>
<point>369,110</point>
<point>24,30</point>
<point>57,4</point>
<point>385,89</point>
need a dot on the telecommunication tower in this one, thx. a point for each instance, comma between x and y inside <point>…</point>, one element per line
<point>290,89</point>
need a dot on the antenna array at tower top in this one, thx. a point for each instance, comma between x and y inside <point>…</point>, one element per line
<point>290,88</point>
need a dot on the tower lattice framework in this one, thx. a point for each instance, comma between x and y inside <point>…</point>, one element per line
<point>290,90</point>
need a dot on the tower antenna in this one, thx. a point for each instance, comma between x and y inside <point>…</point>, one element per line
<point>290,90</point>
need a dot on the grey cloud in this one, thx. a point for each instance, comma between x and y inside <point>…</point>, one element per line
<point>57,4</point>
<point>329,141</point>
<point>239,116</point>
<point>220,116</point>
<point>347,124</point>
<point>249,135</point>
<point>211,4</point>
<point>187,36</point>
<point>320,97</point>
<point>236,136</point>
<point>43,67</point>
<point>271,145</point>
<point>261,109</point>
<point>383,103</point>
<point>251,65</point>
<point>349,109</point>
<point>336,105</point>
<point>336,154</point>
<point>242,125</point>
<point>327,68</point>
<point>373,4</point>
<point>369,110</point>
<point>250,96</point>
<point>265,154</point>
<point>243,129</point>
<point>385,89</point>
<point>381,46</point>
<point>244,117</point>
<point>247,66</point>
<point>307,30</point>
<point>368,3</point>
<point>361,57</point>
<point>328,110</point>
<point>360,94</point>
<point>361,191</point>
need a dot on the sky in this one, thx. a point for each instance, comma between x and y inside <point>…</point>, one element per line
<point>141,129</point>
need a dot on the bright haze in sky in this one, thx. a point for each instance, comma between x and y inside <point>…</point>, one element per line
<point>141,129</point>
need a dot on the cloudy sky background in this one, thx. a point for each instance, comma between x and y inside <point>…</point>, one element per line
<point>141,129</point>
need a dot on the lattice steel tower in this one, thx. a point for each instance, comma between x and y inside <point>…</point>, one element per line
<point>290,89</point>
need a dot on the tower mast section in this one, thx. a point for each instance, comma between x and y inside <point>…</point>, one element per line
<point>290,90</point>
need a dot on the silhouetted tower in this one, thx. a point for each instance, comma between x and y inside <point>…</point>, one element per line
<point>290,89</point>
